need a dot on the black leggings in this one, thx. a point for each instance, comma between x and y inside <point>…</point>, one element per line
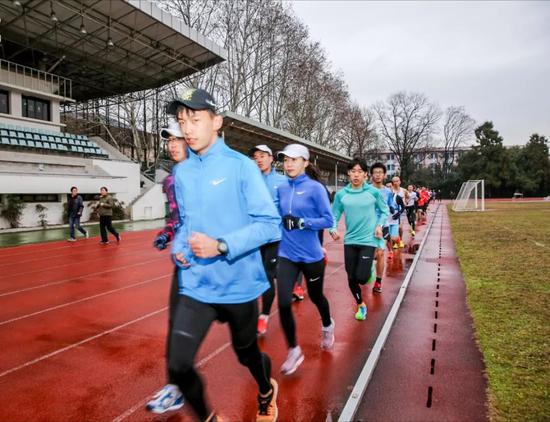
<point>411,216</point>
<point>192,319</point>
<point>269,253</point>
<point>358,259</point>
<point>105,224</point>
<point>314,273</point>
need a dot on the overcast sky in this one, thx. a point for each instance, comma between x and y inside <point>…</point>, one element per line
<point>492,57</point>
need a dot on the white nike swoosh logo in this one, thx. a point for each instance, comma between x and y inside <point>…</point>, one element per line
<point>274,260</point>
<point>314,279</point>
<point>300,193</point>
<point>364,257</point>
<point>217,182</point>
<point>183,333</point>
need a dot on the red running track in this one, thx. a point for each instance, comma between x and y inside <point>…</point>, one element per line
<point>83,326</point>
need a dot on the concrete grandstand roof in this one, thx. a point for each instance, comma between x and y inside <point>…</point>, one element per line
<point>243,133</point>
<point>104,47</point>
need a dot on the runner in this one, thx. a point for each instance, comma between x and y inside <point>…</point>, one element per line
<point>378,174</point>
<point>263,156</point>
<point>366,212</point>
<point>226,214</point>
<point>410,208</point>
<point>401,200</point>
<point>177,150</point>
<point>305,208</point>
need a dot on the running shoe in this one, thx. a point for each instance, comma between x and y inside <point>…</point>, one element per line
<point>401,244</point>
<point>361,313</point>
<point>377,287</point>
<point>71,239</point>
<point>413,233</point>
<point>293,360</point>
<point>327,340</point>
<point>267,406</point>
<point>118,238</point>
<point>87,235</point>
<point>262,324</point>
<point>298,293</point>
<point>169,398</point>
<point>104,243</point>
<point>396,245</point>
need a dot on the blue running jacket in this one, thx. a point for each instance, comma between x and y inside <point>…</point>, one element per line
<point>221,194</point>
<point>305,198</point>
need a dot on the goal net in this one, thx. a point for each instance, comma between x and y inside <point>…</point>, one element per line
<point>471,196</point>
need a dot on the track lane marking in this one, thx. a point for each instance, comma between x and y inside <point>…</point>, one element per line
<point>63,305</point>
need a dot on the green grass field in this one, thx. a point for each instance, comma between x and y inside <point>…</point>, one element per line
<point>505,257</point>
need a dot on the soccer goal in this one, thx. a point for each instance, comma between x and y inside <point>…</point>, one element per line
<point>471,196</point>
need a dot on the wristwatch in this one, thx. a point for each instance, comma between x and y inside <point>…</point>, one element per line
<point>222,247</point>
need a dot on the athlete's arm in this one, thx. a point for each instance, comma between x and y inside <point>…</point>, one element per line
<point>264,219</point>
<point>337,210</point>
<point>325,219</point>
<point>383,209</point>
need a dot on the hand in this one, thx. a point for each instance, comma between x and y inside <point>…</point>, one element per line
<point>396,215</point>
<point>179,257</point>
<point>161,241</point>
<point>292,223</point>
<point>378,232</point>
<point>335,235</point>
<point>203,246</point>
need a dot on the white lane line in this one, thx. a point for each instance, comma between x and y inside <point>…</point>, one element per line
<point>55,283</point>
<point>80,262</point>
<point>141,403</point>
<point>354,400</point>
<point>80,343</point>
<point>77,253</point>
<point>28,247</point>
<point>63,305</point>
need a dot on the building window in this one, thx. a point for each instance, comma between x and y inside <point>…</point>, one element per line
<point>391,157</point>
<point>38,198</point>
<point>4,102</point>
<point>35,108</point>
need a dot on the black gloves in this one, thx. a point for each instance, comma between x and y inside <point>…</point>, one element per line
<point>161,241</point>
<point>292,223</point>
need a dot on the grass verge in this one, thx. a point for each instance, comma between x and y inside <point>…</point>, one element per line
<point>505,257</point>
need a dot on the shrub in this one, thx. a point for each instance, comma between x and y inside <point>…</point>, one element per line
<point>41,210</point>
<point>13,210</point>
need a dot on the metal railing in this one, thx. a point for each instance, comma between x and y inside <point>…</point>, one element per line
<point>34,79</point>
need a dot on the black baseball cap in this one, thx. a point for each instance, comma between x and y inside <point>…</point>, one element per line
<point>194,99</point>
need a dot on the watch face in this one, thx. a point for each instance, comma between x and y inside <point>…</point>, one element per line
<point>222,247</point>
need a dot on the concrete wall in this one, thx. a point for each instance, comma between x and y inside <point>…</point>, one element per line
<point>127,186</point>
<point>150,205</point>
<point>16,117</point>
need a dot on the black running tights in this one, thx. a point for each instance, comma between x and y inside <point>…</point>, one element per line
<point>314,273</point>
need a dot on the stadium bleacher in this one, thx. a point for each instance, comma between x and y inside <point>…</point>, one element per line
<point>13,136</point>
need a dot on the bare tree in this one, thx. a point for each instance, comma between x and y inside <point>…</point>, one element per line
<point>359,135</point>
<point>406,122</point>
<point>458,128</point>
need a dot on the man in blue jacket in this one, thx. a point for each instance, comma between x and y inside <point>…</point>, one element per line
<point>263,157</point>
<point>226,214</point>
<point>75,206</point>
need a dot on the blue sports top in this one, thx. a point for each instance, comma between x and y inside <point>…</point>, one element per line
<point>221,194</point>
<point>305,198</point>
